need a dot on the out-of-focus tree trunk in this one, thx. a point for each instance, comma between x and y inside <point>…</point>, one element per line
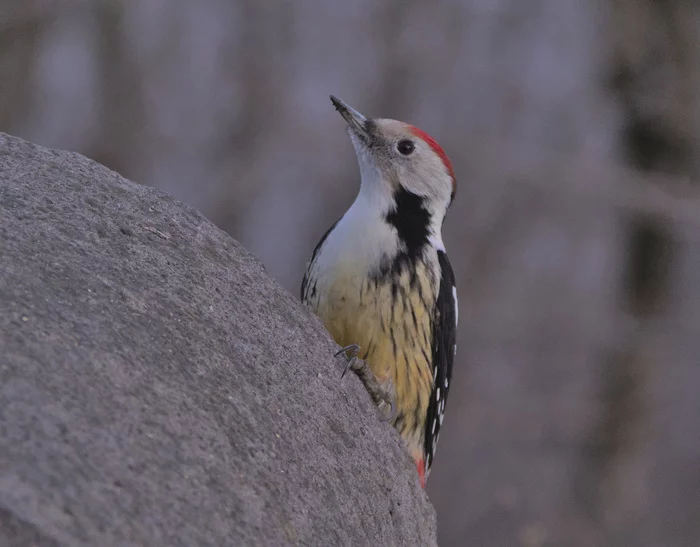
<point>20,26</point>
<point>655,77</point>
<point>120,129</point>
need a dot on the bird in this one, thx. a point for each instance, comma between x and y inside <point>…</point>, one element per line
<point>382,284</point>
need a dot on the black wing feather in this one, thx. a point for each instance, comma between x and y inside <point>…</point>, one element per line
<point>305,279</point>
<point>444,347</point>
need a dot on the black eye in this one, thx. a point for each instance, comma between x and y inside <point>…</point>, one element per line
<point>406,147</point>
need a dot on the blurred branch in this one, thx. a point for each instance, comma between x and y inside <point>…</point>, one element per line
<point>668,198</point>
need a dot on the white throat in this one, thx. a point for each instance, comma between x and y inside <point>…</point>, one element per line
<point>363,238</point>
<point>363,232</point>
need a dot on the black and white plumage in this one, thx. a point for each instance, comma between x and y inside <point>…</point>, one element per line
<point>380,277</point>
<point>444,351</point>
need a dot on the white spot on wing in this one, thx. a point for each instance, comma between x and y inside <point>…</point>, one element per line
<point>437,394</point>
<point>437,243</point>
<point>454,296</point>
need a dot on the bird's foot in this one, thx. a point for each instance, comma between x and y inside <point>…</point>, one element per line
<point>381,394</point>
<point>351,352</point>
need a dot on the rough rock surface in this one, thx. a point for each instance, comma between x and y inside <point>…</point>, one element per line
<point>158,388</point>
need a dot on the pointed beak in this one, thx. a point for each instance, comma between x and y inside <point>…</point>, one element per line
<point>356,121</point>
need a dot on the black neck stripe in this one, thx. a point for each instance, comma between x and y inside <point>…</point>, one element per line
<point>411,220</point>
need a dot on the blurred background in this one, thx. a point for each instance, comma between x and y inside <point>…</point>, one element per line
<point>574,130</point>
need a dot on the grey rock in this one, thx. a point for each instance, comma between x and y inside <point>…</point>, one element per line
<point>158,388</point>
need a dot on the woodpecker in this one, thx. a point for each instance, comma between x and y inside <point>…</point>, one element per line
<point>380,279</point>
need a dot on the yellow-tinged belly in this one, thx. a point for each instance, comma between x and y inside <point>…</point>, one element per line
<point>393,327</point>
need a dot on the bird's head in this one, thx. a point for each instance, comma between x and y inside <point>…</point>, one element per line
<point>395,158</point>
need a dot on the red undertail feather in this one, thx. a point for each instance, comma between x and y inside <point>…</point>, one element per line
<point>420,466</point>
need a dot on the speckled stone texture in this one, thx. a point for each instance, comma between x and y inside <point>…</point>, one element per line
<point>158,388</point>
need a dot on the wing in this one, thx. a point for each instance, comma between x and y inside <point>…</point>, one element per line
<point>444,349</point>
<point>305,280</point>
